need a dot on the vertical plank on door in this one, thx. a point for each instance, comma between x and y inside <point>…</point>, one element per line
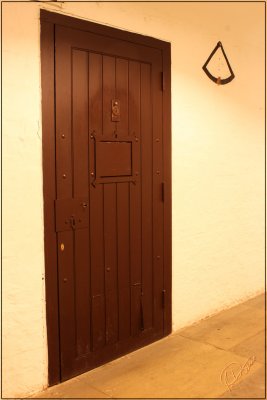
<point>97,268</point>
<point>122,95</point>
<point>64,179</point>
<point>111,268</point>
<point>110,210</point>
<point>108,94</point>
<point>68,319</point>
<point>98,323</point>
<point>123,208</point>
<point>80,122</point>
<point>147,195</point>
<point>123,228</point>
<point>95,93</point>
<point>80,189</point>
<point>166,149</point>
<point>82,291</point>
<point>49,188</point>
<point>63,120</point>
<point>135,199</point>
<point>157,195</point>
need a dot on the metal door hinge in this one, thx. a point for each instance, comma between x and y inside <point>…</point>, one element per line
<point>163,297</point>
<point>162,81</point>
<point>163,191</point>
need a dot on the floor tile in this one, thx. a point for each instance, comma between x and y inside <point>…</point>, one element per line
<point>181,368</point>
<point>73,389</point>
<point>229,328</point>
<point>253,346</point>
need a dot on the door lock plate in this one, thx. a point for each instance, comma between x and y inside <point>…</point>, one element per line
<point>115,111</point>
<point>71,214</point>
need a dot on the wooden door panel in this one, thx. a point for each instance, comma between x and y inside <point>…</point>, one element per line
<point>107,45</point>
<point>137,311</point>
<point>80,139</point>
<point>82,292</point>
<point>123,95</point>
<point>146,135</point>
<point>63,123</point>
<point>123,246</point>
<point>66,297</point>
<point>135,256</point>
<point>109,178</point>
<point>108,94</point>
<point>111,273</point>
<point>95,93</point>
<point>157,200</point>
<point>73,96</point>
<point>97,267</point>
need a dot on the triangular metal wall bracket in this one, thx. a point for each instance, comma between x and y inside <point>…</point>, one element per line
<point>219,80</point>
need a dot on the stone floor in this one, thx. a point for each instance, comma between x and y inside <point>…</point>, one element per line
<point>219,357</point>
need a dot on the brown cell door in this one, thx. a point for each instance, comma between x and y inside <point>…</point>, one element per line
<point>109,206</point>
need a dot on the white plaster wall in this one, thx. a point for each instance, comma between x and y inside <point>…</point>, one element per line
<point>218,166</point>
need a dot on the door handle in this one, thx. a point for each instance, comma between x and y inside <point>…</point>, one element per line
<point>92,173</point>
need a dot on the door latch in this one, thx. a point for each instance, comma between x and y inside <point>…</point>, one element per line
<point>72,214</point>
<point>72,222</point>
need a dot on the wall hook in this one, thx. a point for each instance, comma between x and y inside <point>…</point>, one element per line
<point>218,79</point>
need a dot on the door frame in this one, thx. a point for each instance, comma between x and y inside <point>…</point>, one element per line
<point>48,22</point>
